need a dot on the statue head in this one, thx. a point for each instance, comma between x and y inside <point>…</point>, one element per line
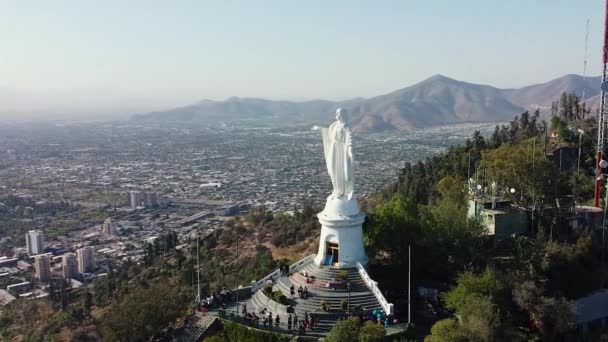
<point>341,115</point>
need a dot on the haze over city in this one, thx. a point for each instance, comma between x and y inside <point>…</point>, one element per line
<point>114,59</point>
<point>338,171</point>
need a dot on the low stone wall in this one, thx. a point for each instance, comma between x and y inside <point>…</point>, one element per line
<point>243,292</point>
<point>271,305</point>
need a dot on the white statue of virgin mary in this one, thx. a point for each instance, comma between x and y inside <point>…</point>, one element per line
<point>337,145</point>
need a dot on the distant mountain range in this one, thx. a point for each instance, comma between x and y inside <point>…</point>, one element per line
<point>438,100</point>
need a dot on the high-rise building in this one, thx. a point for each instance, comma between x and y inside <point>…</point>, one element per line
<point>42,264</point>
<point>86,259</point>
<point>34,240</point>
<point>134,199</point>
<point>107,227</point>
<point>70,265</point>
<point>150,199</point>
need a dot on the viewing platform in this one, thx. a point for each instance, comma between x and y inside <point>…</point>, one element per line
<point>326,285</point>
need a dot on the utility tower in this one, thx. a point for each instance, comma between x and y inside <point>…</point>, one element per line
<point>602,117</point>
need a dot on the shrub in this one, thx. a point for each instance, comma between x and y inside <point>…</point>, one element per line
<point>446,330</point>
<point>344,304</point>
<point>371,332</point>
<point>344,331</point>
<point>213,339</point>
<point>324,305</point>
<point>236,332</point>
<point>267,290</point>
<point>279,297</point>
<point>342,276</point>
<point>142,313</point>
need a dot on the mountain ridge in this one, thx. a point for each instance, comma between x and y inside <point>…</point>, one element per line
<point>434,101</point>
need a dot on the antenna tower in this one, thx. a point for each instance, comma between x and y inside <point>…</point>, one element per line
<point>585,57</point>
<point>602,116</point>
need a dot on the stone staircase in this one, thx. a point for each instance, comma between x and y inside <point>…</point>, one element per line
<point>318,292</point>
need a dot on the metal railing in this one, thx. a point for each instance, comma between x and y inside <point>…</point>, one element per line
<point>292,268</point>
<point>373,286</point>
<point>303,262</point>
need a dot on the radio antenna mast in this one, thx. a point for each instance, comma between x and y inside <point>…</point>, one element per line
<point>585,58</point>
<point>601,120</point>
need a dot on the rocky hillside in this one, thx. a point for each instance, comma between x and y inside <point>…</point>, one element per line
<point>436,101</point>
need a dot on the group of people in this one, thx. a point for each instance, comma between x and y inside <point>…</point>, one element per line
<point>216,299</point>
<point>377,316</point>
<point>308,323</point>
<point>252,319</point>
<point>302,291</point>
<point>294,323</point>
<point>267,320</point>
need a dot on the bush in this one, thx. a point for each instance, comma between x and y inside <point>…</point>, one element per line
<point>342,276</point>
<point>371,332</point>
<point>344,304</point>
<point>324,305</point>
<point>267,290</point>
<point>279,297</point>
<point>344,331</point>
<point>446,330</point>
<point>236,332</point>
<point>142,313</point>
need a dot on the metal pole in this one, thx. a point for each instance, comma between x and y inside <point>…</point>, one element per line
<point>409,284</point>
<point>604,230</point>
<point>585,57</point>
<point>348,305</point>
<point>237,279</point>
<point>601,120</point>
<point>198,271</point>
<point>534,178</point>
<point>469,171</point>
<point>580,143</point>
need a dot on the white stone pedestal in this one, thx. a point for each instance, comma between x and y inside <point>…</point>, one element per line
<point>341,224</point>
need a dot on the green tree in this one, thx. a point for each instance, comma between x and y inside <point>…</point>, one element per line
<point>142,314</point>
<point>87,302</point>
<point>214,339</point>
<point>371,332</point>
<point>524,167</point>
<point>481,318</point>
<point>563,262</point>
<point>344,331</point>
<point>392,226</point>
<point>470,285</point>
<point>447,330</point>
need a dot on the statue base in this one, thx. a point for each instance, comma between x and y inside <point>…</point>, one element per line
<point>341,241</point>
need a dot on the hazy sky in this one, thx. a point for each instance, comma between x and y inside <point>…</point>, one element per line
<point>151,54</point>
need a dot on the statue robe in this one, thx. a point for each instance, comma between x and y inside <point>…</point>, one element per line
<point>337,143</point>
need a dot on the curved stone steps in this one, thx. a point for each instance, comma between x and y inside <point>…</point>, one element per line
<point>284,284</point>
<point>360,295</point>
<point>323,276</point>
<point>355,284</point>
<point>335,305</point>
<point>328,273</point>
<point>364,298</point>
